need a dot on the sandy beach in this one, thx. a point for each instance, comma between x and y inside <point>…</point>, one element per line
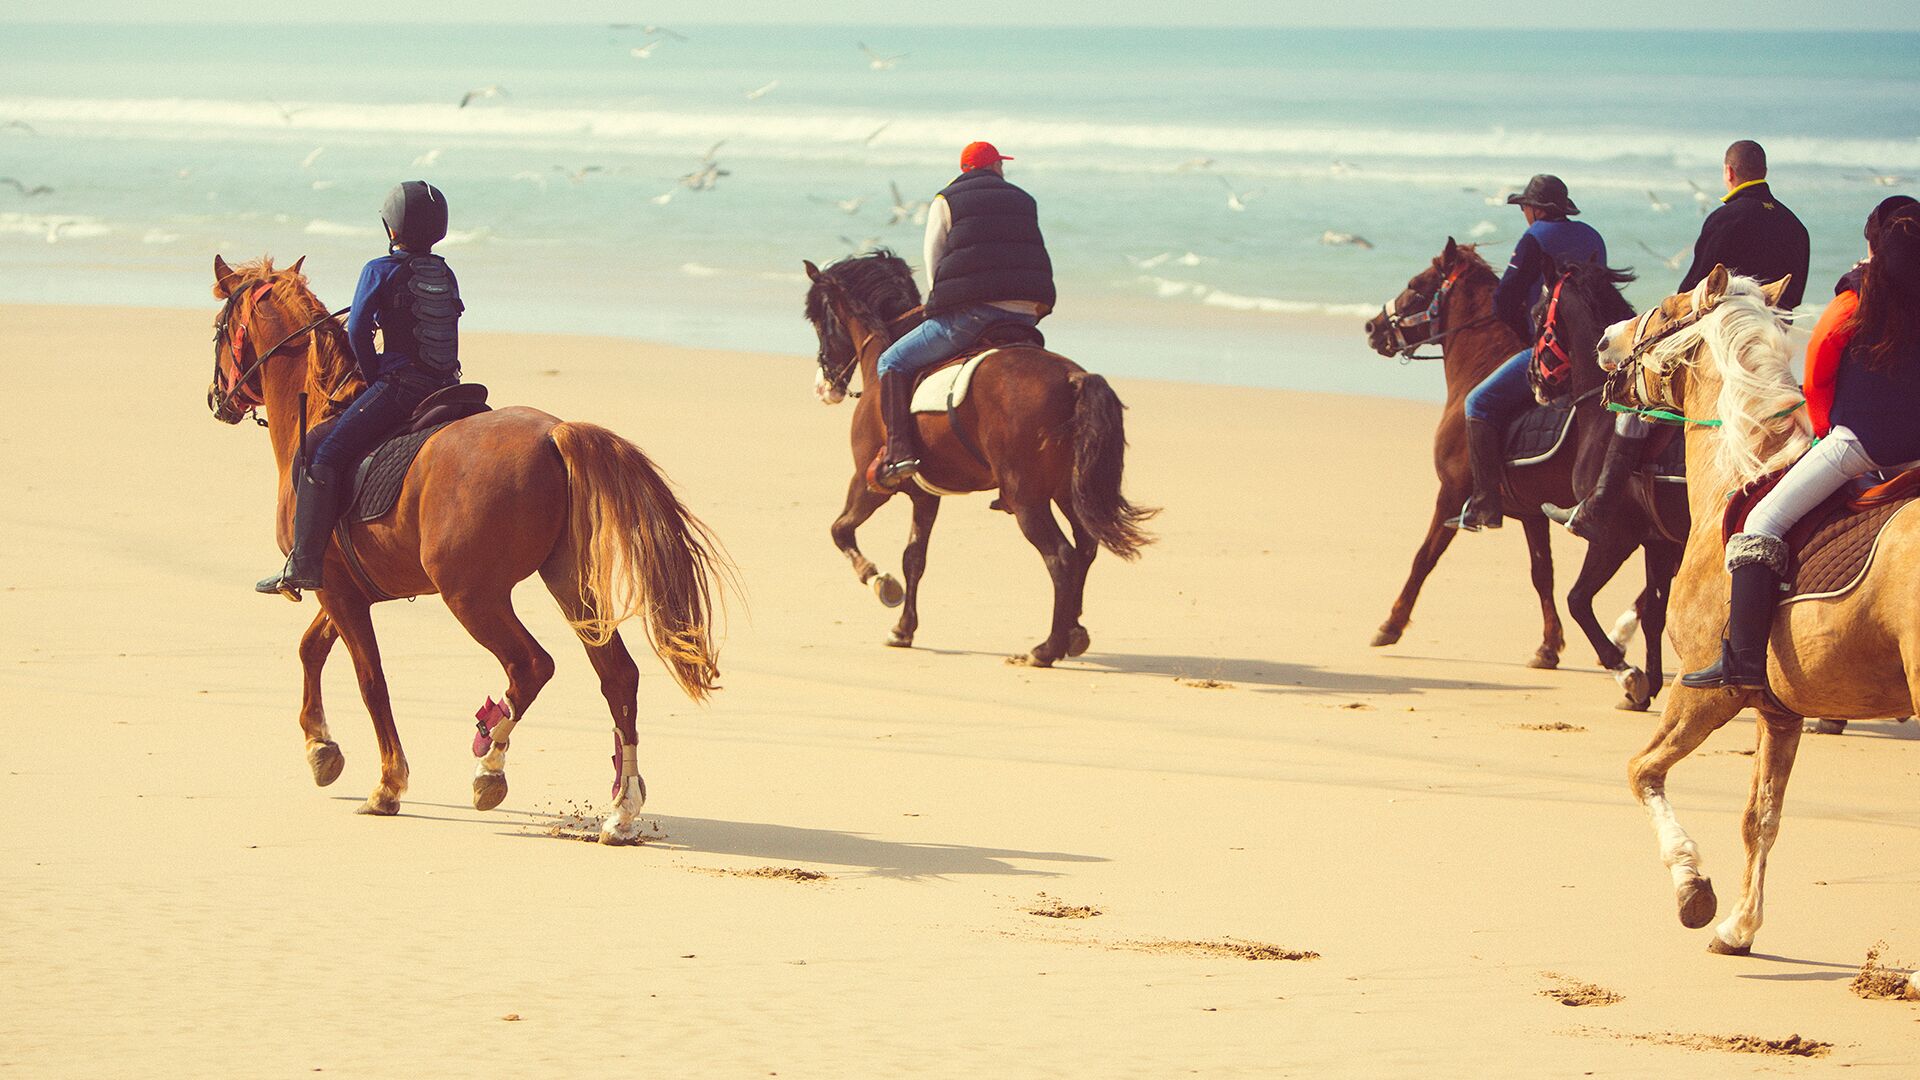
<point>1013,864</point>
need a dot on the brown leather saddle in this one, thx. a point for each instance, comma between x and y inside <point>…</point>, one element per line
<point>1833,545</point>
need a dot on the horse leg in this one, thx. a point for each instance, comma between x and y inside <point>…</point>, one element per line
<point>1037,524</point>
<point>861,503</point>
<point>323,754</point>
<point>353,619</point>
<point>1086,548</point>
<point>488,617</point>
<point>1540,556</point>
<point>913,563</point>
<point>1663,561</point>
<point>1690,717</point>
<point>1779,740</point>
<point>620,685</point>
<point>1439,536</point>
<point>1605,556</point>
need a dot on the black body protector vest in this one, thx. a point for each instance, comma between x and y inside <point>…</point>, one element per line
<point>430,299</point>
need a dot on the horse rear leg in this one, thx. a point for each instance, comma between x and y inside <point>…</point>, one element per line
<point>1605,556</point>
<point>488,617</point>
<point>861,503</point>
<point>1553,637</point>
<point>913,563</point>
<point>1085,547</point>
<point>351,616</point>
<point>1036,522</point>
<point>323,754</point>
<point>1690,717</point>
<point>1779,741</point>
<point>1424,560</point>
<point>620,685</point>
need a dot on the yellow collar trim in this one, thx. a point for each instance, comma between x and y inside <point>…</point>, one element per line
<point>1742,188</point>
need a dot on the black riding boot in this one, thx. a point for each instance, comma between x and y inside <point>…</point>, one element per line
<point>316,508</point>
<point>1623,459</point>
<point>1743,652</point>
<point>1487,455</point>
<point>902,458</point>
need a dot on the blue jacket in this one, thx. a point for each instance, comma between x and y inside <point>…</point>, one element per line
<point>375,305</point>
<point>1525,281</point>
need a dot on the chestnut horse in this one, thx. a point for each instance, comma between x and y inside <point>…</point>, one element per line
<point>1719,356</point>
<point>1450,305</point>
<point>490,500</point>
<point>1047,432</point>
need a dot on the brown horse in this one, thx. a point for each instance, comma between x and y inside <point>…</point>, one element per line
<point>1048,434</point>
<point>1720,356</point>
<point>490,500</point>
<point>1450,305</point>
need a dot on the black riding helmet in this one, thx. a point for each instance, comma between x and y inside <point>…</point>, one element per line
<point>416,213</point>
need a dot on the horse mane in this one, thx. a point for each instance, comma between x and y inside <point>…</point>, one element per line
<point>333,374</point>
<point>1600,284</point>
<point>1758,435</point>
<point>878,281</point>
<point>1469,255</point>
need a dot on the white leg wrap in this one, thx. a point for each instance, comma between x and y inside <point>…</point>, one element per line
<point>1677,849</point>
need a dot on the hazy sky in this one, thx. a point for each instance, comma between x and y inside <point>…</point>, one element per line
<point>1621,14</point>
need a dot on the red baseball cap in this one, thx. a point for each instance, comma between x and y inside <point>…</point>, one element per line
<point>980,153</point>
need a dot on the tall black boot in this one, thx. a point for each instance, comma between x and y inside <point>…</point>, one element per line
<point>1756,563</point>
<point>902,457</point>
<point>1487,455</point>
<point>1616,473</point>
<point>316,507</point>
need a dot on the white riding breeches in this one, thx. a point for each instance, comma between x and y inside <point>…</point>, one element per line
<point>1832,464</point>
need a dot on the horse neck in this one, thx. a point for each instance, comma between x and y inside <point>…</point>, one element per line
<point>282,379</point>
<point>874,341</point>
<point>1469,356</point>
<point>1707,484</point>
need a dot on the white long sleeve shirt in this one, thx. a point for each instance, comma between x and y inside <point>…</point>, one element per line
<point>939,224</point>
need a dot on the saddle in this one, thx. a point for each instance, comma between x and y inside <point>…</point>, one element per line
<point>1005,335</point>
<point>377,476</point>
<point>1833,546</point>
<point>1536,435</point>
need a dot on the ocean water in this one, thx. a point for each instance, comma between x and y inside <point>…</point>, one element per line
<point>165,144</point>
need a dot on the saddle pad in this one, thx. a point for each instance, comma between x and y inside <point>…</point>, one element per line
<point>376,486</point>
<point>947,386</point>
<point>1834,547</point>
<point>1536,434</point>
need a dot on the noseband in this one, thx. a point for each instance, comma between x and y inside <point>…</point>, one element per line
<point>1401,326</point>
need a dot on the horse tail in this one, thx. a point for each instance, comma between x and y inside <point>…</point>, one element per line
<point>640,553</point>
<point>1099,452</point>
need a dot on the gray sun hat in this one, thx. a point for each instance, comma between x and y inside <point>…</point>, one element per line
<point>1545,192</point>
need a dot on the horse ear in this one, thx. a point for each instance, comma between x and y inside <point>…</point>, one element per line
<point>1716,282</point>
<point>812,270</point>
<point>1451,252</point>
<point>1773,291</point>
<point>295,268</point>
<point>223,277</point>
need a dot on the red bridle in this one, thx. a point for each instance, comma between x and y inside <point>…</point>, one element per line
<point>1548,344</point>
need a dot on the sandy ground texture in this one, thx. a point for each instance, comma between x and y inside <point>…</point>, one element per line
<point>870,861</point>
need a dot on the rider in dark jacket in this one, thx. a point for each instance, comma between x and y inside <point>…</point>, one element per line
<point>411,297</point>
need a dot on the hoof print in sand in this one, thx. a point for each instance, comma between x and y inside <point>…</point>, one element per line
<point>1570,991</point>
<point>1791,1046</point>
<point>1052,907</point>
<point>1205,684</point>
<point>770,873</point>
<point>1557,725</point>
<point>1229,948</point>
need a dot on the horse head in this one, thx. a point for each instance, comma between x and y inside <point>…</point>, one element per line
<point>860,297</point>
<point>1569,324</point>
<point>264,310</point>
<point>1417,316</point>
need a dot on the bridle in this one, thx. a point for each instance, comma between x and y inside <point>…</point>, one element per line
<point>241,393</point>
<point>1400,326</point>
<point>840,379</point>
<point>1548,343</point>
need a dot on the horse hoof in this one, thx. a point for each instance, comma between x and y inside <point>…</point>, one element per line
<point>489,790</point>
<point>1036,659</point>
<point>1721,948</point>
<point>1697,903</point>
<point>1545,660</point>
<point>898,640</point>
<point>1386,637</point>
<point>887,588</point>
<point>326,761</point>
<point>1079,641</point>
<point>380,806</point>
<point>1830,727</point>
<point>1633,683</point>
<point>613,834</point>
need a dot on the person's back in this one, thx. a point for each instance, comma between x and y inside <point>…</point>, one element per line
<point>1752,234</point>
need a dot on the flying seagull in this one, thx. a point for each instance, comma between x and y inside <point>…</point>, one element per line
<point>1657,204</point>
<point>645,52</point>
<point>903,210</point>
<point>313,156</point>
<point>847,206</point>
<point>1194,163</point>
<point>472,96</point>
<point>1674,260</point>
<point>1345,239</point>
<point>661,31</point>
<point>579,176</point>
<point>757,94</point>
<point>1238,200</point>
<point>286,114</point>
<point>1887,179</point>
<point>868,141</point>
<point>881,63</point>
<point>428,159</point>
<point>21,124</point>
<point>29,192</point>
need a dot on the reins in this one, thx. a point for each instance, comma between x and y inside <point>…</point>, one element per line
<point>1399,323</point>
<point>844,377</point>
<point>239,383</point>
<point>1633,369</point>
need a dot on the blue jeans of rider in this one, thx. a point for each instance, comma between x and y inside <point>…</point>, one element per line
<point>1504,394</point>
<point>372,417</point>
<point>945,336</point>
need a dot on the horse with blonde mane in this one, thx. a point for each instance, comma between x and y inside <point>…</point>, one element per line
<point>1719,357</point>
<point>489,501</point>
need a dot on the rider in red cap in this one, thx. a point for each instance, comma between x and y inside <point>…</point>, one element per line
<point>986,263</point>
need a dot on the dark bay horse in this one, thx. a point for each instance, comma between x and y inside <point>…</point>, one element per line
<point>490,500</point>
<point>1049,435</point>
<point>1449,305</point>
<point>1585,301</point>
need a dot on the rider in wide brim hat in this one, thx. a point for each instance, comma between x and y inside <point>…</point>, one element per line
<point>1547,192</point>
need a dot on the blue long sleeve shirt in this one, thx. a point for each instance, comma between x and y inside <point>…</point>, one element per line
<point>1525,281</point>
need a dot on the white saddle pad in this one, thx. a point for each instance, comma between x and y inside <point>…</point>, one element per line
<point>947,387</point>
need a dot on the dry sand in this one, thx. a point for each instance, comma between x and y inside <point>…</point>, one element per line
<point>1230,764</point>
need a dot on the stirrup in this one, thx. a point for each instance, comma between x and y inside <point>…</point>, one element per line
<point>887,477</point>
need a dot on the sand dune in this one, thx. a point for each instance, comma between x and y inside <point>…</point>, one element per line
<point>1230,765</point>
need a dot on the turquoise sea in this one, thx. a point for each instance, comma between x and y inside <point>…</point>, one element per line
<point>165,144</point>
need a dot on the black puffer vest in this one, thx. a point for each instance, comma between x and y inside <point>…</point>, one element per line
<point>994,250</point>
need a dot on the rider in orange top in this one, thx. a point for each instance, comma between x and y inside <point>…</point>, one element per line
<point>1835,328</point>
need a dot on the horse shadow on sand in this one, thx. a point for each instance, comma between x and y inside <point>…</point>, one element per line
<point>1264,675</point>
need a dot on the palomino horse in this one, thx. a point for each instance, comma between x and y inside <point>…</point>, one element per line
<point>1038,427</point>
<point>1450,305</point>
<point>1719,356</point>
<point>490,500</point>
<point>1585,301</point>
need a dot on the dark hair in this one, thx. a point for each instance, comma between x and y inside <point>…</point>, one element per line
<point>1747,160</point>
<point>1887,326</point>
<point>1877,220</point>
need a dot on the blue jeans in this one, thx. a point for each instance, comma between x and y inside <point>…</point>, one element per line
<point>373,416</point>
<point>945,336</point>
<point>1504,394</point>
